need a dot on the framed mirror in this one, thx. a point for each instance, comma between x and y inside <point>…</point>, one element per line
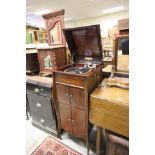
<point>121,51</point>
<point>54,24</point>
<point>55,35</point>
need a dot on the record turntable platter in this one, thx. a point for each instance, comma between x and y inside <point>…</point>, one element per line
<point>77,70</point>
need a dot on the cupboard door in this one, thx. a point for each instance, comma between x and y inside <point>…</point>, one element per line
<point>62,93</point>
<point>65,117</point>
<point>78,122</point>
<point>76,96</point>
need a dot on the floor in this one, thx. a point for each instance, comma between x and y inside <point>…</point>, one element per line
<point>35,136</point>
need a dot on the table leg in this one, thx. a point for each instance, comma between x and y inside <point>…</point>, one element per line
<point>98,140</point>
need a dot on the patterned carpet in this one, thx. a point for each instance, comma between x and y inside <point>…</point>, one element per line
<point>53,146</point>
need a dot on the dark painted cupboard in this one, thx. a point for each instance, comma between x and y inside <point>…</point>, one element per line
<point>39,95</point>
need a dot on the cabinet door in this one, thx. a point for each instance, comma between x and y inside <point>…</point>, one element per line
<point>78,122</point>
<point>65,116</point>
<point>76,96</point>
<point>62,93</point>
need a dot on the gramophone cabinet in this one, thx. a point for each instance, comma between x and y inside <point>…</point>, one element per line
<point>73,83</point>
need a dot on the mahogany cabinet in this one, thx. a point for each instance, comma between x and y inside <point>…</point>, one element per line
<point>72,109</point>
<point>51,58</point>
<point>73,83</point>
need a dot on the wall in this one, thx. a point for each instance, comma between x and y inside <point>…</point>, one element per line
<point>106,21</point>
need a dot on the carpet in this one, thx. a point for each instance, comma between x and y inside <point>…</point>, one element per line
<point>53,146</point>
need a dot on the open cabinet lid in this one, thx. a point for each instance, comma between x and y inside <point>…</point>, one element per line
<point>85,43</point>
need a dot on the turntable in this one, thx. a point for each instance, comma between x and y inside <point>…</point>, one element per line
<point>77,70</point>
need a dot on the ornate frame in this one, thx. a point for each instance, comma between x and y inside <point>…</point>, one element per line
<point>115,46</point>
<point>51,20</point>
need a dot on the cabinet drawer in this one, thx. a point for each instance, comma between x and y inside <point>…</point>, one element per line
<point>40,90</point>
<point>41,105</point>
<point>70,79</point>
<point>43,121</point>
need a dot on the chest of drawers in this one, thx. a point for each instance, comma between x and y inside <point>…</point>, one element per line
<point>39,94</point>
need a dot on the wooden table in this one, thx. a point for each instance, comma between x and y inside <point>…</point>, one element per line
<point>109,109</point>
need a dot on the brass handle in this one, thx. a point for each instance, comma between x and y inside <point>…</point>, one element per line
<point>36,90</point>
<point>38,105</point>
<point>42,121</point>
<point>67,94</point>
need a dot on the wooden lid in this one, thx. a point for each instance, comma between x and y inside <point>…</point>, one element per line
<point>85,43</point>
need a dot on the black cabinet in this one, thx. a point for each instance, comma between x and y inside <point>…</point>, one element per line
<point>39,95</point>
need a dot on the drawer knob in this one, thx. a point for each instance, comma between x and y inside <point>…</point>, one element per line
<point>70,95</point>
<point>41,89</point>
<point>38,105</point>
<point>36,90</point>
<point>67,94</point>
<point>42,121</point>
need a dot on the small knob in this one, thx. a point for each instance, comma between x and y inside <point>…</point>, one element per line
<point>36,90</point>
<point>70,95</point>
<point>38,105</point>
<point>72,120</point>
<point>41,89</point>
<point>69,119</point>
<point>67,94</point>
<point>42,121</point>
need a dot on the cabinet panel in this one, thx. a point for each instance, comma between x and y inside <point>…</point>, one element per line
<point>65,117</point>
<point>70,79</point>
<point>76,96</point>
<point>40,105</point>
<point>62,93</point>
<point>38,89</point>
<point>78,122</point>
<point>43,121</point>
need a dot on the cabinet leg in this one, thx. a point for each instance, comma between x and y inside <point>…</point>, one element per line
<point>98,140</point>
<point>87,145</point>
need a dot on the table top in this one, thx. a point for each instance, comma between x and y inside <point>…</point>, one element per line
<point>36,79</point>
<point>109,108</point>
<point>113,94</point>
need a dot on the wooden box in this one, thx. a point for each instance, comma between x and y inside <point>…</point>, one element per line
<point>109,108</point>
<point>72,85</point>
<point>51,58</point>
<point>32,64</point>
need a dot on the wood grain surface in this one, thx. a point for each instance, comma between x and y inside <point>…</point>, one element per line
<point>109,108</point>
